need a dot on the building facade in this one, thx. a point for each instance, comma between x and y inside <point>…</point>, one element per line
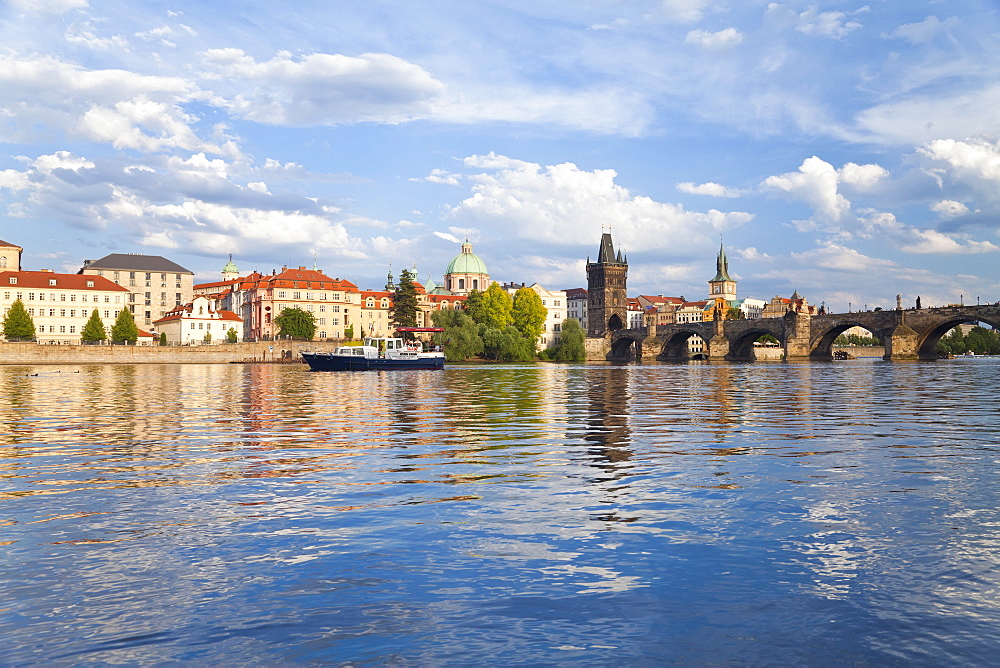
<point>199,321</point>
<point>61,304</point>
<point>607,306</point>
<point>155,284</point>
<point>576,305</point>
<point>10,256</point>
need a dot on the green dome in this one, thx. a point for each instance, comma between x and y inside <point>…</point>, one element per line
<point>230,268</point>
<point>466,262</point>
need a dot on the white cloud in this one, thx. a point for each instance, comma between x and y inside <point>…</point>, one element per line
<point>949,208</point>
<point>83,34</point>
<point>563,204</point>
<point>825,24</point>
<point>932,241</point>
<point>863,177</point>
<point>842,259</point>
<point>448,237</point>
<point>441,176</point>
<point>47,6</point>
<point>816,184</point>
<point>680,11</point>
<point>320,89</point>
<point>977,159</point>
<point>710,189</point>
<point>919,119</point>
<point>924,31</point>
<point>715,40</point>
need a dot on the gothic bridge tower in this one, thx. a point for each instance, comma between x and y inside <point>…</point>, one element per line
<point>607,306</point>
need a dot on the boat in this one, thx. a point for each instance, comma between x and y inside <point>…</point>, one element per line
<point>378,353</point>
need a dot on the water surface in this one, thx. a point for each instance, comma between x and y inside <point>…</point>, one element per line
<point>784,513</point>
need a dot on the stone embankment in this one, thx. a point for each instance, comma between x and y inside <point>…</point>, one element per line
<point>261,351</point>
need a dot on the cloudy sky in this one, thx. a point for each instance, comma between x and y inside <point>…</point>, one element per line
<point>847,150</point>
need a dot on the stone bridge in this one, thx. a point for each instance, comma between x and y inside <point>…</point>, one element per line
<point>908,334</point>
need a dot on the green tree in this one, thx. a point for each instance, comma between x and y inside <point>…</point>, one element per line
<point>474,305</point>
<point>163,338</point>
<point>207,338</point>
<point>734,313</point>
<point>506,345</point>
<point>124,329</point>
<point>404,301</point>
<point>231,335</point>
<point>296,323</point>
<point>349,331</point>
<point>571,343</point>
<point>528,313</point>
<point>460,337</point>
<point>93,331</point>
<point>494,311</point>
<point>17,324</point>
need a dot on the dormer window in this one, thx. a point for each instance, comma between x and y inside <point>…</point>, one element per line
<point>13,280</point>
<point>90,284</point>
<point>52,281</point>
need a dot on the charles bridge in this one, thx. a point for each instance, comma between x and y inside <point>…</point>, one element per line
<point>908,334</point>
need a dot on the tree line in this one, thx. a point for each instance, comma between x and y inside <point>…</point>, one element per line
<point>496,326</point>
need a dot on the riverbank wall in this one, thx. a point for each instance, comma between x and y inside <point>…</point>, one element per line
<point>260,351</point>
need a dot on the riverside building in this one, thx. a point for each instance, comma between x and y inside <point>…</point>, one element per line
<point>154,283</point>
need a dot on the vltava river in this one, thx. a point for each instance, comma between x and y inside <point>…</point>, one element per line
<point>771,513</point>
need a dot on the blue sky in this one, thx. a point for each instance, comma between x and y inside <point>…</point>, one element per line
<point>847,150</point>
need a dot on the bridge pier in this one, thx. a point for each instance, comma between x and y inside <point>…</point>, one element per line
<point>902,342</point>
<point>798,335</point>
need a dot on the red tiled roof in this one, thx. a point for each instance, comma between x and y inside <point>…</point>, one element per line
<point>42,279</point>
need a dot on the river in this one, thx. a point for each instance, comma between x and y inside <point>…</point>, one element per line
<point>781,513</point>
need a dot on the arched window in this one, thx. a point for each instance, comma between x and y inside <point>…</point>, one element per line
<point>3,261</point>
<point>475,284</point>
<point>461,284</point>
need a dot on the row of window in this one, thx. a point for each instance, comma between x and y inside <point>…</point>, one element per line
<point>334,296</point>
<point>63,297</point>
<point>133,275</point>
<point>62,313</point>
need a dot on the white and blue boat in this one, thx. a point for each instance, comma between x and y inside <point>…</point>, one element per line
<point>376,353</point>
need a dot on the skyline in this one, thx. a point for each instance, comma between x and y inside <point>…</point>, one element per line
<point>849,151</point>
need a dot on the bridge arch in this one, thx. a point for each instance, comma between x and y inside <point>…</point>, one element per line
<point>741,348</point>
<point>822,344</point>
<point>929,338</point>
<point>675,344</point>
<point>625,348</point>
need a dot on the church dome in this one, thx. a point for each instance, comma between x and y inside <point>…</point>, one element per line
<point>466,262</point>
<point>230,268</point>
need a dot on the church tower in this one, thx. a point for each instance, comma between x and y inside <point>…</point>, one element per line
<point>722,287</point>
<point>607,305</point>
<point>230,272</point>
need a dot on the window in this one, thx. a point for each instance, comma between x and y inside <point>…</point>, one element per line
<point>322,321</point>
<point>475,284</point>
<point>322,295</point>
<point>13,280</point>
<point>62,313</point>
<point>192,325</point>
<point>201,325</point>
<point>296,295</point>
<point>52,281</point>
<point>72,313</point>
<point>322,335</point>
<point>461,284</point>
<point>31,296</point>
<point>52,313</point>
<point>281,294</point>
<point>62,329</point>
<point>31,312</point>
<point>322,308</point>
<point>90,284</point>
<point>117,276</point>
<point>3,261</point>
<point>309,295</point>
<point>335,308</point>
<point>72,329</point>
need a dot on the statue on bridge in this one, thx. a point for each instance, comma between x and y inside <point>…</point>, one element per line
<point>899,303</point>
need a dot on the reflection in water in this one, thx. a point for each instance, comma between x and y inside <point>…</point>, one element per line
<point>700,513</point>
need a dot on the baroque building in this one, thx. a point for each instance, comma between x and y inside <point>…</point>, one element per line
<point>607,305</point>
<point>466,272</point>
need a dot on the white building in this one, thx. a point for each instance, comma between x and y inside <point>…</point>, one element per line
<point>199,322</point>
<point>61,304</point>
<point>576,305</point>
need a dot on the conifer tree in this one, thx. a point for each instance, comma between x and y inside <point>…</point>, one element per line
<point>124,329</point>
<point>93,331</point>
<point>17,324</point>
<point>404,301</point>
